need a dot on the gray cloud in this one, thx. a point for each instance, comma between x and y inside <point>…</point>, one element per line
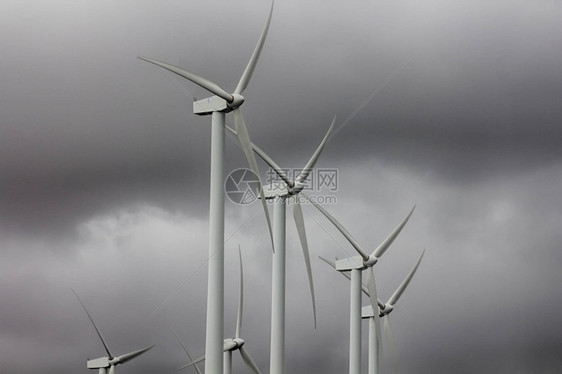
<point>104,177</point>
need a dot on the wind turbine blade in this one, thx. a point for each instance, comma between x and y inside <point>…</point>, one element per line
<point>331,263</point>
<point>244,138</point>
<point>129,356</point>
<point>93,323</point>
<point>299,222</point>
<point>205,83</point>
<point>272,164</point>
<point>372,286</point>
<point>310,164</point>
<point>268,160</point>
<point>111,369</point>
<point>186,351</point>
<point>400,290</point>
<point>196,361</point>
<point>245,79</point>
<point>248,360</point>
<point>388,241</point>
<point>342,229</point>
<point>240,298</point>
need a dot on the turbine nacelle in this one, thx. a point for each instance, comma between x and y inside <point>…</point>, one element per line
<point>98,363</point>
<point>217,104</point>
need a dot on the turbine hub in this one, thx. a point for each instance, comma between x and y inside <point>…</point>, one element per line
<point>295,188</point>
<point>114,361</point>
<point>239,342</point>
<point>371,261</point>
<point>386,310</point>
<point>237,100</point>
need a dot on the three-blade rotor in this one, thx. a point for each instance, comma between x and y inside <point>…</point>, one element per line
<point>111,361</point>
<point>368,260</point>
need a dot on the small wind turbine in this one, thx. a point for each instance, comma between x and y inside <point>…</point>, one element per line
<point>280,195</point>
<point>367,312</point>
<point>109,362</point>
<point>356,265</point>
<point>217,106</point>
<point>237,343</point>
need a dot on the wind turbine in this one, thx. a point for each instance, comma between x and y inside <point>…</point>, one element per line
<point>280,195</point>
<point>217,106</point>
<point>237,343</point>
<point>109,362</point>
<point>356,265</point>
<point>385,309</point>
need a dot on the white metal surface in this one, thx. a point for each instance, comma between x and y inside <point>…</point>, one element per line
<point>374,348</point>
<point>227,368</point>
<point>367,311</point>
<point>215,280</point>
<point>102,362</point>
<point>277,355</point>
<point>209,105</point>
<point>355,323</point>
<point>350,263</point>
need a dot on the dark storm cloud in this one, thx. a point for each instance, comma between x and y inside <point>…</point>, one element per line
<point>104,177</point>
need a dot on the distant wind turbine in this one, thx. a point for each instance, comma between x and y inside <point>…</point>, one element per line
<point>356,265</point>
<point>367,312</point>
<point>110,361</point>
<point>217,106</point>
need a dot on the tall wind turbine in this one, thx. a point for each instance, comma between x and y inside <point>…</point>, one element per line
<point>237,343</point>
<point>110,361</point>
<point>217,106</point>
<point>367,312</point>
<point>356,265</point>
<point>280,194</point>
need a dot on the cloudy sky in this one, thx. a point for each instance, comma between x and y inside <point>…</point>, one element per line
<point>453,106</point>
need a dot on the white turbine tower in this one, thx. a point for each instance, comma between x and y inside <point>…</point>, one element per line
<point>356,265</point>
<point>367,312</point>
<point>237,343</point>
<point>217,106</point>
<point>106,365</point>
<point>280,194</point>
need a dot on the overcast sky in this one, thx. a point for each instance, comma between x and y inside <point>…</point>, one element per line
<point>104,170</point>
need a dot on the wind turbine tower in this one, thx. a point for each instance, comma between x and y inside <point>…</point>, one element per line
<point>216,106</point>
